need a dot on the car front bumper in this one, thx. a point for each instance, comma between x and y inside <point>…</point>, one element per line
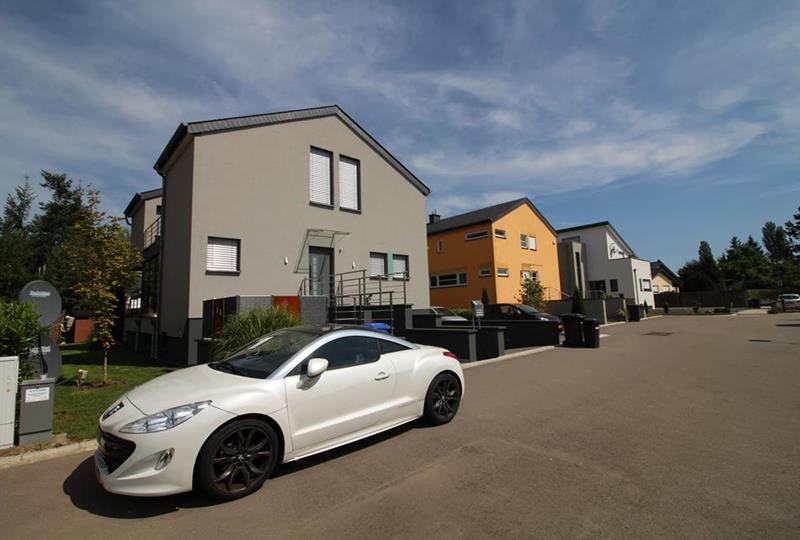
<point>140,470</point>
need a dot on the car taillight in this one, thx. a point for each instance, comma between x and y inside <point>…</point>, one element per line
<point>450,355</point>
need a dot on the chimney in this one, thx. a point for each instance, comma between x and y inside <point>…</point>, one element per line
<point>433,218</point>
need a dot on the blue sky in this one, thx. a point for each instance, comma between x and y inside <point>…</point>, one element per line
<point>676,121</point>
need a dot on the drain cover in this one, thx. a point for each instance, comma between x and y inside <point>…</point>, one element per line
<point>659,333</point>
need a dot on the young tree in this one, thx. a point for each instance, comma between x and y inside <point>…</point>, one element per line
<point>17,209</point>
<point>578,305</point>
<point>100,261</point>
<point>532,294</point>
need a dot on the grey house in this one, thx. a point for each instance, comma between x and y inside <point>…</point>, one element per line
<point>280,204</point>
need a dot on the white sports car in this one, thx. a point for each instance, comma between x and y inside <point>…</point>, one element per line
<point>223,427</point>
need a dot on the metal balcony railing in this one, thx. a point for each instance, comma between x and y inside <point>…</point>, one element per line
<point>152,234</point>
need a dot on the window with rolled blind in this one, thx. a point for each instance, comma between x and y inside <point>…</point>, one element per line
<point>400,267</point>
<point>222,255</point>
<point>349,183</point>
<point>321,191</point>
<point>377,264</point>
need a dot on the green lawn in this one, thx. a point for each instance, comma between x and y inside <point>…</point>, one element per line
<point>76,410</point>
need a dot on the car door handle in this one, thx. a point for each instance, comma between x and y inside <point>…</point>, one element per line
<point>381,375</point>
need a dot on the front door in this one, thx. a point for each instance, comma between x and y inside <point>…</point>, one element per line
<point>320,271</point>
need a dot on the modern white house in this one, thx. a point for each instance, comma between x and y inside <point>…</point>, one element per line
<point>289,204</point>
<point>598,260</point>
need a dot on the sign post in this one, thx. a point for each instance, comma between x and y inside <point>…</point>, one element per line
<point>36,395</point>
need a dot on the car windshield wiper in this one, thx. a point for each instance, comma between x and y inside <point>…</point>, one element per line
<point>227,366</point>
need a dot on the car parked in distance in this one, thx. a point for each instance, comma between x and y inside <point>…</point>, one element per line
<point>516,312</point>
<point>223,427</point>
<point>789,300</point>
<point>446,314</point>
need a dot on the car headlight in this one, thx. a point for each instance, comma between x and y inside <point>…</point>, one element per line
<point>164,420</point>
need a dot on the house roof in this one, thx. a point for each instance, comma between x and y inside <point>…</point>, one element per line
<point>484,215</point>
<point>659,267</point>
<point>256,120</point>
<point>608,224</point>
<point>141,196</point>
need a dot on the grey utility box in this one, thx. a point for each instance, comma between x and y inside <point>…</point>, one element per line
<point>36,411</point>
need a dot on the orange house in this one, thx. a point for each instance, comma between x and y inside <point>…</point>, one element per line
<point>496,249</point>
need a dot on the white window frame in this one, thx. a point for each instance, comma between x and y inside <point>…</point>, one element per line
<point>502,271</point>
<point>532,243</point>
<point>344,188</point>
<point>523,241</point>
<point>485,271</point>
<point>460,280</point>
<point>218,255</point>
<point>642,285</point>
<point>439,246</point>
<point>500,233</point>
<point>320,153</point>
<point>476,235</point>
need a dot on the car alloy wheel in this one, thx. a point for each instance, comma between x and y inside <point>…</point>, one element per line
<point>242,459</point>
<point>442,401</point>
<point>237,459</point>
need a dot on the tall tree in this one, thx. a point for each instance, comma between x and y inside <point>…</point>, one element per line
<point>745,266</point>
<point>16,248</point>
<point>792,229</point>
<point>17,209</point>
<point>100,260</point>
<point>58,215</point>
<point>776,242</point>
<point>703,273</point>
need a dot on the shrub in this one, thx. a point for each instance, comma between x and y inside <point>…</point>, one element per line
<point>463,312</point>
<point>666,308</point>
<point>244,327</point>
<point>484,296</point>
<point>696,307</point>
<point>621,315</point>
<point>578,306</point>
<point>19,328</point>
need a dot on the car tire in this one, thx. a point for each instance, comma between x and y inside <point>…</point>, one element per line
<point>237,459</point>
<point>442,399</point>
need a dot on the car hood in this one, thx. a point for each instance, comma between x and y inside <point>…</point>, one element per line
<point>226,391</point>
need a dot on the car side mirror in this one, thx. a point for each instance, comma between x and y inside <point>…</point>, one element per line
<point>316,366</point>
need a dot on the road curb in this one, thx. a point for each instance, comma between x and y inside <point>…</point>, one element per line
<point>48,453</point>
<point>509,356</point>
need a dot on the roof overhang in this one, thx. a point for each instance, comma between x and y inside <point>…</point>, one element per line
<point>205,127</point>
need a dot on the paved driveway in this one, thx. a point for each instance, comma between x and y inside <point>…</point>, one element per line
<point>678,427</point>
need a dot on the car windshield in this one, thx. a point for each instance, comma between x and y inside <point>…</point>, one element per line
<point>444,312</point>
<point>528,309</point>
<point>261,357</point>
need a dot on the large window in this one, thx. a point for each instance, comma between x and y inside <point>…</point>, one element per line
<point>150,270</point>
<point>476,235</point>
<point>645,285</point>
<point>320,177</point>
<point>400,268</point>
<point>349,351</point>
<point>458,279</point>
<point>222,255</point>
<point>349,183</point>
<point>377,264</point>
<point>599,285</point>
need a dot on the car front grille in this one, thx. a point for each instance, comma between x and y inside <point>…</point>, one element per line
<point>113,449</point>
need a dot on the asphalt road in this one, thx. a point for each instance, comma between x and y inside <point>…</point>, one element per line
<point>694,434</point>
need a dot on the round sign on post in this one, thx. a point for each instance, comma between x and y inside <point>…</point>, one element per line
<point>48,355</point>
<point>44,298</point>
